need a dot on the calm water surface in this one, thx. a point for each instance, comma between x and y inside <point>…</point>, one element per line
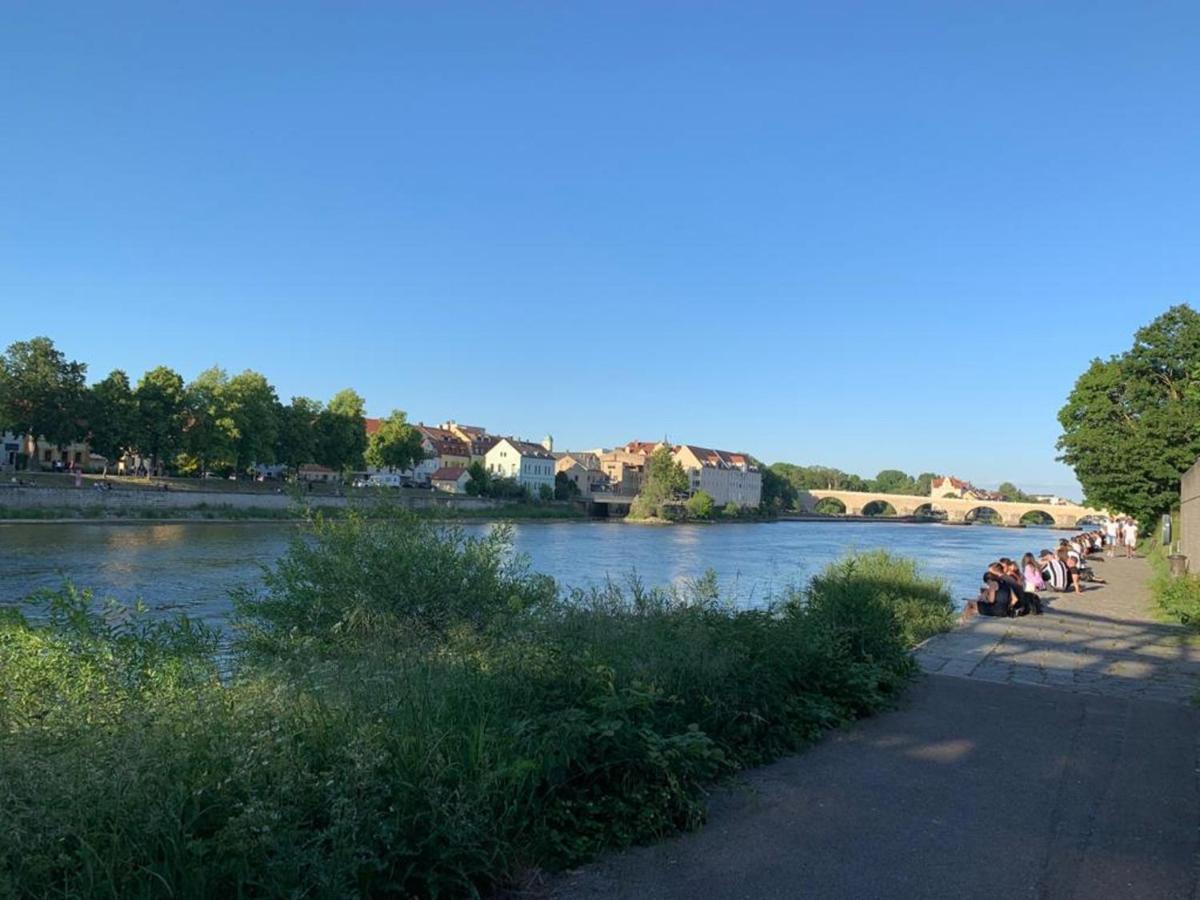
<point>193,566</point>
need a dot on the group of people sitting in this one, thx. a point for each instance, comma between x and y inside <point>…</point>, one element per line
<point>1012,588</point>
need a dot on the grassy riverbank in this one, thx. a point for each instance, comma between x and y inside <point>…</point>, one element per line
<point>410,712</point>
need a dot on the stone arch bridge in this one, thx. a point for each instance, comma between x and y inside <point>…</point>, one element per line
<point>956,511</point>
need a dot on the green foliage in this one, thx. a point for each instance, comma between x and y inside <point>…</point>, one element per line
<point>564,487</point>
<point>700,505</point>
<point>111,416</point>
<point>296,439</point>
<point>1131,425</point>
<point>663,482</point>
<point>778,493</point>
<point>395,445</point>
<point>42,393</point>
<point>731,510</point>
<point>478,479</point>
<point>160,414</point>
<point>388,728</point>
<point>893,481</point>
<point>208,428</point>
<point>397,576</point>
<point>1178,597</point>
<point>341,432</point>
<point>252,406</point>
<point>545,493</point>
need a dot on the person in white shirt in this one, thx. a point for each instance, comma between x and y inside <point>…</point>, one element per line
<point>1131,537</point>
<point>1112,532</point>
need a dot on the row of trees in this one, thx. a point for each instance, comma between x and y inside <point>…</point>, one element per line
<point>214,423</point>
<point>1131,424</point>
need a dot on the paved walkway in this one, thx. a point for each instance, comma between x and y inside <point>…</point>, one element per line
<point>1052,756</point>
<point>1104,641</point>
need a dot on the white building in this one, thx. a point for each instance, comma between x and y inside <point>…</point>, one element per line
<point>530,465</point>
<point>726,477</point>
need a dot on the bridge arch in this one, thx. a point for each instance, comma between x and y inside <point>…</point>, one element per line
<point>983,515</point>
<point>930,511</point>
<point>878,508</point>
<point>1037,517</point>
<point>828,506</point>
<point>1090,521</point>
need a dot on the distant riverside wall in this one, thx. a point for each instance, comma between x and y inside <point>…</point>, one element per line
<point>89,498</point>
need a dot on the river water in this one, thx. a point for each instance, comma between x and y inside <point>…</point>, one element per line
<point>193,566</point>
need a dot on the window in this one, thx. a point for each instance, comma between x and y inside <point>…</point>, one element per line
<point>45,456</point>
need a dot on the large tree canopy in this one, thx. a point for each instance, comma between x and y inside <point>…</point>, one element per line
<point>1131,425</point>
<point>395,445</point>
<point>111,416</point>
<point>42,393</point>
<point>160,413</point>
<point>341,432</point>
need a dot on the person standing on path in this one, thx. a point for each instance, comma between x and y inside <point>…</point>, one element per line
<point>1131,534</point>
<point>1112,533</point>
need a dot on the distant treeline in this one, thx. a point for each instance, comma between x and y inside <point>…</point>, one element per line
<point>215,422</point>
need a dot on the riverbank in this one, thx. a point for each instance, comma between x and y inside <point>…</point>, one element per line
<point>295,512</point>
<point>409,712</point>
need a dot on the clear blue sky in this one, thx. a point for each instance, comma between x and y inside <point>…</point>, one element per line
<point>866,235</point>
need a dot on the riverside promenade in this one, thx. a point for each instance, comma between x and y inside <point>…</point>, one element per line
<point>1052,756</point>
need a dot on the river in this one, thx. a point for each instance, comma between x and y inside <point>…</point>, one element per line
<point>193,566</point>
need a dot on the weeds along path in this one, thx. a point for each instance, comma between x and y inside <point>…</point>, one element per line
<point>1052,756</point>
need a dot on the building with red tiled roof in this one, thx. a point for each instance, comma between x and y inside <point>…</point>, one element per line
<point>451,479</point>
<point>725,476</point>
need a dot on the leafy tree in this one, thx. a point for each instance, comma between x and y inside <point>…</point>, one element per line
<point>395,445</point>
<point>208,428</point>
<point>42,394</point>
<point>925,484</point>
<point>111,417</point>
<point>160,407</point>
<point>893,481</point>
<point>1131,424</point>
<point>564,487</point>
<point>296,439</point>
<point>778,492</point>
<point>700,505</point>
<point>664,477</point>
<point>341,431</point>
<point>545,492</point>
<point>663,480</point>
<point>731,510</point>
<point>252,406</point>
<point>1009,491</point>
<point>478,480</point>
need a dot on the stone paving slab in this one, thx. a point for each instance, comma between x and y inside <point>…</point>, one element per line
<point>1104,641</point>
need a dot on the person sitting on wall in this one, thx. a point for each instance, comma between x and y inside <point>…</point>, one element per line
<point>1073,577</point>
<point>1027,601</point>
<point>1054,572</point>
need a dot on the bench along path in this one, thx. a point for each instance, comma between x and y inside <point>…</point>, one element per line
<point>1052,756</point>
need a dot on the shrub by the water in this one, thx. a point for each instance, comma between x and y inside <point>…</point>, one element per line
<point>411,712</point>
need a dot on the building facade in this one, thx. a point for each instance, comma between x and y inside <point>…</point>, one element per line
<point>530,465</point>
<point>584,471</point>
<point>725,476</point>
<point>451,480</point>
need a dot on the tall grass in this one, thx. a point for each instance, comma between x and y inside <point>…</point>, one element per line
<point>412,712</point>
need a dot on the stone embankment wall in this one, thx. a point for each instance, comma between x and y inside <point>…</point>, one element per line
<point>12,497</point>
<point>1189,517</point>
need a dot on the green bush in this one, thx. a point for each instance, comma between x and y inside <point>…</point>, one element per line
<point>700,505</point>
<point>412,713</point>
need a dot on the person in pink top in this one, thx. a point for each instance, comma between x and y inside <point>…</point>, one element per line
<point>1032,574</point>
